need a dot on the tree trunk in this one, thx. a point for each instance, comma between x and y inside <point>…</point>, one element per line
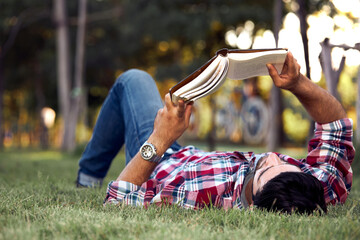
<point>274,137</point>
<point>78,89</point>
<point>332,76</point>
<point>40,104</point>
<point>2,130</point>
<point>358,111</point>
<point>63,60</point>
<point>302,13</point>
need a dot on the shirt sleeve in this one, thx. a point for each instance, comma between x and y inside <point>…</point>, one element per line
<point>330,154</point>
<point>120,192</point>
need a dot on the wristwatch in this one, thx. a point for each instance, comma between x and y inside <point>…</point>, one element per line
<point>148,153</point>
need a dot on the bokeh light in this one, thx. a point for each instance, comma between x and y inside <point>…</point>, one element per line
<point>348,6</point>
<point>48,115</point>
<point>339,29</point>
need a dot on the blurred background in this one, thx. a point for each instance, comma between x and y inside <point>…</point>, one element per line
<point>58,60</point>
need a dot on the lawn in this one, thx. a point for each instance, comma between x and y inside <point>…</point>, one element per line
<point>39,200</point>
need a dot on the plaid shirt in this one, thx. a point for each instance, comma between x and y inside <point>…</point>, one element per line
<point>193,179</point>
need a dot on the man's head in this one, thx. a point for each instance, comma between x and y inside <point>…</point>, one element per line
<point>280,186</point>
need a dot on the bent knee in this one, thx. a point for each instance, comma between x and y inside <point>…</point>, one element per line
<point>134,76</point>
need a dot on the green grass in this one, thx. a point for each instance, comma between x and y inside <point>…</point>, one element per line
<point>39,200</point>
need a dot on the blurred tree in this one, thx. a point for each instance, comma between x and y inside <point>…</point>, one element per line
<point>63,64</point>
<point>69,94</point>
<point>358,108</point>
<point>275,131</point>
<point>1,101</point>
<point>78,92</point>
<point>303,9</point>
<point>302,14</point>
<point>16,15</point>
<point>169,39</point>
<point>332,76</point>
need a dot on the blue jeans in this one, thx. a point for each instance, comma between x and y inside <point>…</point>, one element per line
<point>126,117</point>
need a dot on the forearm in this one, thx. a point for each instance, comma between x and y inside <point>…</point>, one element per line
<point>139,170</point>
<point>319,103</point>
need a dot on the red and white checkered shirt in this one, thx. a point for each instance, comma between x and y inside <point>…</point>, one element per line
<point>193,179</point>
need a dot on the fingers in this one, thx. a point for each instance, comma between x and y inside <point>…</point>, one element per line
<point>289,57</point>
<point>272,71</point>
<point>188,111</point>
<point>293,65</point>
<point>168,102</point>
<point>180,108</point>
<point>291,62</point>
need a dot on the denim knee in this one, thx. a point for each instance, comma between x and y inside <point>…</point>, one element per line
<point>134,77</point>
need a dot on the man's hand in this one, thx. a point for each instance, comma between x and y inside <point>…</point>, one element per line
<point>290,74</point>
<point>170,123</point>
<point>320,104</point>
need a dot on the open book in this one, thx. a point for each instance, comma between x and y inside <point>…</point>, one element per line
<point>234,64</point>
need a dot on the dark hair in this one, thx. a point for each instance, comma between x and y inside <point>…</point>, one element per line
<point>292,192</point>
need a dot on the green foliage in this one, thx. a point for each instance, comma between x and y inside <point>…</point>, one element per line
<point>296,120</point>
<point>120,42</point>
<point>347,87</point>
<point>38,200</point>
<point>295,126</point>
<point>169,39</point>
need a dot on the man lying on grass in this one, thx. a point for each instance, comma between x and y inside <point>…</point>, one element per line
<point>159,171</point>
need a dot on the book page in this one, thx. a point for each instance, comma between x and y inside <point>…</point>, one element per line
<point>218,82</point>
<point>212,82</point>
<point>199,80</point>
<point>246,65</point>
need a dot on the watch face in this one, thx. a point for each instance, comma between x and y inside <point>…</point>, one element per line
<point>147,152</point>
